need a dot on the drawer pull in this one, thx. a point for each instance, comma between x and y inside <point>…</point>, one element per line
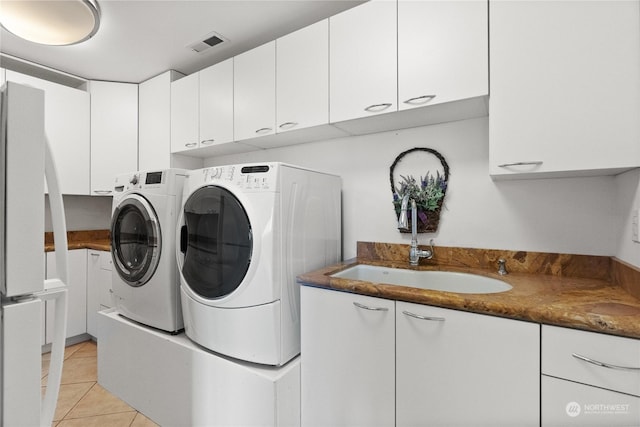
<point>207,142</point>
<point>191,144</point>
<point>262,131</point>
<point>605,365</point>
<point>419,99</point>
<point>378,107</point>
<point>530,163</point>
<point>288,125</point>
<point>366,307</point>
<point>418,316</point>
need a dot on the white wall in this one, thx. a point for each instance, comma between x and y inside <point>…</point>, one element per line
<point>628,199</point>
<point>571,215</point>
<point>83,213</point>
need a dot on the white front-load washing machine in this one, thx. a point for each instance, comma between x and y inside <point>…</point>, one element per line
<point>246,232</point>
<point>145,276</point>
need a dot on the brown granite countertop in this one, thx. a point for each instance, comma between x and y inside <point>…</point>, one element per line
<point>593,293</point>
<point>99,240</point>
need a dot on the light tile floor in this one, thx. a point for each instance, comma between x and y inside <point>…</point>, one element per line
<point>82,401</point>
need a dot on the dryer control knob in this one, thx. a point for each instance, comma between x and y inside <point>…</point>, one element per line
<point>134,180</point>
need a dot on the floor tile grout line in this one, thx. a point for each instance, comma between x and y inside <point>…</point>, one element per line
<point>78,401</point>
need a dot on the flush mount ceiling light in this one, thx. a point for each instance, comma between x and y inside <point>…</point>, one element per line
<point>51,22</point>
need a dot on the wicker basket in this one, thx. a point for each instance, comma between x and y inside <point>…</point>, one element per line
<point>427,221</point>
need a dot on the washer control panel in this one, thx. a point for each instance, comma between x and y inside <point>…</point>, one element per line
<point>248,177</point>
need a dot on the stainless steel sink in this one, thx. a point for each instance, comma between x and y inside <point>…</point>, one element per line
<point>446,281</point>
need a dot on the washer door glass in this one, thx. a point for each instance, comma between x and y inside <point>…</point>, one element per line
<point>216,241</point>
<point>135,240</point>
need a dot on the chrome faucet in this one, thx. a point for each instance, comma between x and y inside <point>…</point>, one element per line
<point>403,224</point>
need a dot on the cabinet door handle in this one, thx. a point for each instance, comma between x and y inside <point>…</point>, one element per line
<point>207,141</point>
<point>263,130</point>
<point>366,307</point>
<point>288,125</point>
<point>378,107</point>
<point>102,191</point>
<point>418,316</point>
<point>94,254</point>
<point>191,144</point>
<point>604,365</point>
<point>530,163</point>
<point>419,99</point>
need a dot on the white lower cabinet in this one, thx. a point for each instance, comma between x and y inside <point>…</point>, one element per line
<point>567,403</point>
<point>76,296</point>
<point>348,359</point>
<point>461,369</point>
<point>589,378</point>
<point>99,295</point>
<point>368,361</point>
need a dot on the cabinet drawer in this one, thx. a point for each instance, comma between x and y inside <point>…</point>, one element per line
<point>565,403</point>
<point>615,361</point>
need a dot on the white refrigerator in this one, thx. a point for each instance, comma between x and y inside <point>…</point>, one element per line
<point>25,158</point>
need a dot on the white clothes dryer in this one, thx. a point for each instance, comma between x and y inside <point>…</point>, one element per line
<point>145,276</point>
<point>246,232</point>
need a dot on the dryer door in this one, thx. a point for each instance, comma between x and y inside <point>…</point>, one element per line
<point>216,241</point>
<point>135,240</point>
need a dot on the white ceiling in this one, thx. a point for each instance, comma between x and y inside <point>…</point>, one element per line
<point>139,39</point>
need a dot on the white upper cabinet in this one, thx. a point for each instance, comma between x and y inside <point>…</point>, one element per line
<point>363,61</point>
<point>302,78</point>
<point>565,88</point>
<point>2,76</point>
<point>254,88</point>
<point>67,125</point>
<point>185,113</point>
<point>216,104</point>
<point>443,51</point>
<point>154,115</point>
<point>114,133</point>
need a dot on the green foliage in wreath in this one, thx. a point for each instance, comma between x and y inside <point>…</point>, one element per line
<point>428,192</point>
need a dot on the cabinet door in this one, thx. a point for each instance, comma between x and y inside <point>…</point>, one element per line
<point>564,87</point>
<point>216,104</point>
<point>565,403</point>
<point>443,51</point>
<point>76,294</point>
<point>362,52</point>
<point>302,72</point>
<point>348,359</point>
<point>254,90</point>
<point>447,360</point>
<point>67,124</point>
<point>154,112</point>
<point>114,133</point>
<point>184,113</point>
<point>99,295</point>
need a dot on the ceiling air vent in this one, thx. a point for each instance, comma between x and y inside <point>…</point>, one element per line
<point>208,41</point>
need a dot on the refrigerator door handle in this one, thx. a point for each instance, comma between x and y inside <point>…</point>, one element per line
<point>55,289</point>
